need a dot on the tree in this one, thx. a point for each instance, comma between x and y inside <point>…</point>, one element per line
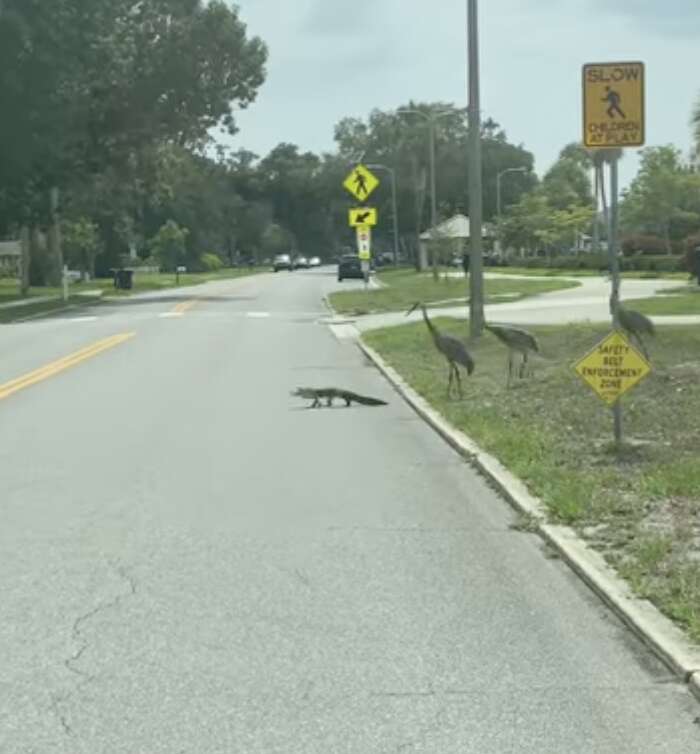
<point>168,246</point>
<point>663,192</point>
<point>567,182</point>
<point>81,242</point>
<point>89,87</point>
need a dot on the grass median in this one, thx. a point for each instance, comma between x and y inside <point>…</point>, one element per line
<point>639,506</point>
<point>685,300</point>
<point>404,287</point>
<point>583,273</point>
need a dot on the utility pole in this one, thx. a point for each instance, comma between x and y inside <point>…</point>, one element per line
<point>431,119</point>
<point>476,266</point>
<point>615,275</point>
<point>394,205</point>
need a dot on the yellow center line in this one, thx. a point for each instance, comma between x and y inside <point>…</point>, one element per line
<point>55,367</point>
<point>184,306</point>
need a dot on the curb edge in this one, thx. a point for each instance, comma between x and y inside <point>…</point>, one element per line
<point>654,629</point>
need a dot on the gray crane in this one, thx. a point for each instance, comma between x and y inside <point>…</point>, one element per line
<point>635,324</point>
<point>451,348</point>
<point>516,340</point>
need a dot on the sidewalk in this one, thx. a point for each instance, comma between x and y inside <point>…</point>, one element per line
<point>589,302</point>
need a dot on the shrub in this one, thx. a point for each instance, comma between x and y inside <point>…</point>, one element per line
<point>644,244</point>
<point>211,262</point>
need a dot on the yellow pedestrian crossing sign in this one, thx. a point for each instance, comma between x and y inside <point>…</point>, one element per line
<point>363,216</point>
<point>613,104</point>
<point>361,182</point>
<point>613,367</point>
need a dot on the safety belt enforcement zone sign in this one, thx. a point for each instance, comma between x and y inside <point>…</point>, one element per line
<point>613,105</point>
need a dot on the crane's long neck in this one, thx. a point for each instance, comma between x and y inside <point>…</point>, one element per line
<point>430,325</point>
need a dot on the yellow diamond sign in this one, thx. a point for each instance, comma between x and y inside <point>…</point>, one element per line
<point>361,183</point>
<point>613,104</point>
<point>613,367</point>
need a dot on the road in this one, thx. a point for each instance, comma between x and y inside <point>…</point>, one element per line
<point>194,563</point>
<point>588,302</point>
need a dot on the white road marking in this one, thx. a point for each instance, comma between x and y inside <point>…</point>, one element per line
<point>81,319</point>
<point>170,315</point>
<point>257,315</point>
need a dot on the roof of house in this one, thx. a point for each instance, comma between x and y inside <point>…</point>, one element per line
<point>455,227</point>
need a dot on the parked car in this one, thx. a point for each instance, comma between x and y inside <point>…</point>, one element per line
<point>300,263</point>
<point>350,267</point>
<point>314,262</point>
<point>282,262</point>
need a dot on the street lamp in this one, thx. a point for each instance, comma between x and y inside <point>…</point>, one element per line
<point>394,209</point>
<point>498,186</point>
<point>431,118</point>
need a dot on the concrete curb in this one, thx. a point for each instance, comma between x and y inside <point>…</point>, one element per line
<point>657,632</point>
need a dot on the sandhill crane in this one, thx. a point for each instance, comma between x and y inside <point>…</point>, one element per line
<point>635,324</point>
<point>517,341</point>
<point>451,348</point>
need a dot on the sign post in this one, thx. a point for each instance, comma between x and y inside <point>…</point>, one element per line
<point>613,119</point>
<point>364,249</point>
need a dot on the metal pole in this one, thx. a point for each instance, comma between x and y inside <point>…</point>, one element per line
<point>395,209</point>
<point>498,195</point>
<point>396,216</point>
<point>615,277</point>
<point>476,269</point>
<point>433,196</point>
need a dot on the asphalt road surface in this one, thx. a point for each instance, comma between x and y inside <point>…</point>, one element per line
<point>192,562</point>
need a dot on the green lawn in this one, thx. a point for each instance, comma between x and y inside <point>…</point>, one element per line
<point>640,506</point>
<point>142,284</point>
<point>684,300</point>
<point>560,272</point>
<point>405,287</point>
<point>160,281</point>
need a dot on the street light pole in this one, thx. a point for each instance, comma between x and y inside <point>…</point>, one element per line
<point>476,267</point>
<point>431,119</point>
<point>394,206</point>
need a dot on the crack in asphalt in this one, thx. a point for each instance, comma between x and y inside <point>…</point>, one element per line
<point>78,637</point>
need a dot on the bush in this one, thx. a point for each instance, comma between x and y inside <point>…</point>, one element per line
<point>211,262</point>
<point>642,244</point>
<point>643,263</point>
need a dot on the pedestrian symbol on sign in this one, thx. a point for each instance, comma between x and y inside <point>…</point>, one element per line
<point>360,184</point>
<point>613,99</point>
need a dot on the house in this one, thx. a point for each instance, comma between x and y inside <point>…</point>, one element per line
<point>450,238</point>
<point>10,258</point>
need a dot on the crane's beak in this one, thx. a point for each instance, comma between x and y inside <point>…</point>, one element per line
<point>413,308</point>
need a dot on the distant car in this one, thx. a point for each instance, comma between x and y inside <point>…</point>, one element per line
<point>300,263</point>
<point>314,262</point>
<point>350,267</point>
<point>282,262</point>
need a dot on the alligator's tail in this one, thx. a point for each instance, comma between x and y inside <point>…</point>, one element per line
<point>365,401</point>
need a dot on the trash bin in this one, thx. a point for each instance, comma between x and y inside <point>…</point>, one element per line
<point>124,280</point>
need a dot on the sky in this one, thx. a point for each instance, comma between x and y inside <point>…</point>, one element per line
<point>335,58</point>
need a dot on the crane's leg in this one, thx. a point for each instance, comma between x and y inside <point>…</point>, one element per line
<point>449,381</point>
<point>459,381</point>
<point>639,340</point>
<point>510,367</point>
<point>523,366</point>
